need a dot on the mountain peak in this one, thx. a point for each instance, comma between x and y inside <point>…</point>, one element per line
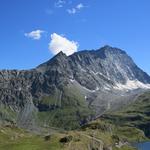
<point>111,50</point>
<point>107,47</point>
<point>60,54</point>
<point>59,57</point>
<point>57,60</point>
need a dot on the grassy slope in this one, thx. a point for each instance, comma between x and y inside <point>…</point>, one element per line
<point>92,136</point>
<point>71,104</point>
<point>16,139</point>
<point>137,115</point>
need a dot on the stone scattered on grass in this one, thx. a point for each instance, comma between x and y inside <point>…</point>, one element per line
<point>66,139</point>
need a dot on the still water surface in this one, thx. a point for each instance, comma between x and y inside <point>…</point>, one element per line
<point>143,146</point>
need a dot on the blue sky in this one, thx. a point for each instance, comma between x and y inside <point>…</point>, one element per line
<point>91,23</point>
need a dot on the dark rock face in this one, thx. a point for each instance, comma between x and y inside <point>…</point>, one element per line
<point>90,72</point>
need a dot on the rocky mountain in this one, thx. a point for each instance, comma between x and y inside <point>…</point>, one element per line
<point>67,91</point>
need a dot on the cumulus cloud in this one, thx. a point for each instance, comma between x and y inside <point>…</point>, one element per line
<point>75,9</point>
<point>35,35</point>
<point>60,43</point>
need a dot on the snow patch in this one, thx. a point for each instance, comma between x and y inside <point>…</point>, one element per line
<point>96,73</point>
<point>132,84</point>
<point>107,88</point>
<point>99,73</point>
<point>72,80</point>
<point>92,91</point>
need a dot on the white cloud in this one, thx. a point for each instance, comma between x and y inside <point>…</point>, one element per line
<point>80,6</point>
<point>59,3</point>
<point>71,11</point>
<point>35,35</point>
<point>75,9</point>
<point>60,43</point>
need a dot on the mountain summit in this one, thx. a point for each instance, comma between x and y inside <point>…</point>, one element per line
<point>67,91</point>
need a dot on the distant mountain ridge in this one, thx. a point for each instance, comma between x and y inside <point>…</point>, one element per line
<point>79,87</point>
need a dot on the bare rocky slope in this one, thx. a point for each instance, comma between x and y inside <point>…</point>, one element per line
<point>68,91</point>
